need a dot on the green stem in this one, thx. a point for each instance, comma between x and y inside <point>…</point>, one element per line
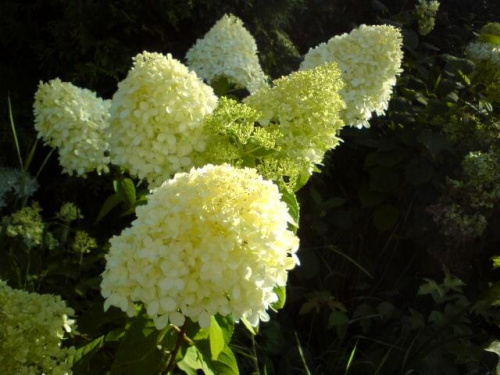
<point>180,338</point>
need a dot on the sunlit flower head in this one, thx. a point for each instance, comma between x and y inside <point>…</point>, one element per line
<point>211,241</point>
<point>75,121</point>
<point>369,58</point>
<point>157,116</point>
<point>228,50</point>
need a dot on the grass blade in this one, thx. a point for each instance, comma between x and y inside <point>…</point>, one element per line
<point>308,372</point>
<point>351,357</point>
<point>14,133</point>
<point>361,268</point>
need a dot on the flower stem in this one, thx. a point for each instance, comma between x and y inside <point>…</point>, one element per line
<point>180,338</point>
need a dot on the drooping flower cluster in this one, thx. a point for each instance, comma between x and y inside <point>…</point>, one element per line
<point>305,106</point>
<point>31,329</point>
<point>16,183</point>
<point>157,116</point>
<point>370,59</point>
<point>211,241</point>
<point>75,121</point>
<point>426,12</point>
<point>228,50</point>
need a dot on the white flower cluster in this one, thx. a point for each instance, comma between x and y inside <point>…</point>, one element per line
<point>305,106</point>
<point>228,50</point>
<point>16,182</point>
<point>211,241</point>
<point>370,59</point>
<point>157,116</point>
<point>426,12</point>
<point>75,121</point>
<point>31,329</point>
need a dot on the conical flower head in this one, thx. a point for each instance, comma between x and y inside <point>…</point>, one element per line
<point>75,121</point>
<point>369,58</point>
<point>228,50</point>
<point>306,107</point>
<point>157,116</point>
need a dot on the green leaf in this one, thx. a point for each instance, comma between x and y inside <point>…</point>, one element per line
<point>281,293</point>
<point>290,199</point>
<point>385,217</point>
<point>79,361</point>
<point>253,330</point>
<point>226,324</point>
<point>110,203</point>
<point>216,338</point>
<point>226,363</point>
<point>337,318</point>
<point>139,352</point>
<point>125,188</point>
<point>192,361</point>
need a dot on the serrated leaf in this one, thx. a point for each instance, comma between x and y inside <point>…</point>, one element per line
<point>216,339</point>
<point>428,288</point>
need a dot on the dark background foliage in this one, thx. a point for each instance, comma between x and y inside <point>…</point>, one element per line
<point>367,238</point>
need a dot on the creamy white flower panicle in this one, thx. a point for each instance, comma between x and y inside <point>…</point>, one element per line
<point>75,121</point>
<point>157,117</point>
<point>370,59</point>
<point>228,50</point>
<point>211,241</point>
<point>31,329</point>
